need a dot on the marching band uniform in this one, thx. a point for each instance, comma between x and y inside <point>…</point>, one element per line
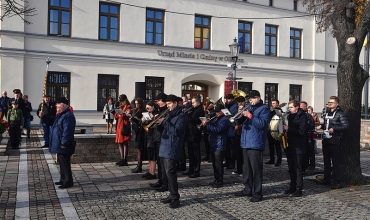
<point>230,151</point>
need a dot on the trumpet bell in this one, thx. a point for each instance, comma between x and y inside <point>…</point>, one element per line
<point>237,93</point>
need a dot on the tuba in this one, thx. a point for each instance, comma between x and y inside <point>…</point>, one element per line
<point>208,102</point>
<point>237,93</point>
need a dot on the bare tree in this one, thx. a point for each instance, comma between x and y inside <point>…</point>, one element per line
<point>18,8</point>
<point>349,22</point>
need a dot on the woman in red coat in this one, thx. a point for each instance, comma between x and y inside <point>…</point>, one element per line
<point>123,130</point>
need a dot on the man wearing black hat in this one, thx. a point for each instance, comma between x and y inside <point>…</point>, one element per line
<point>160,100</point>
<point>218,128</point>
<point>48,108</point>
<point>170,149</point>
<point>255,122</point>
<point>16,121</point>
<point>62,139</point>
<point>230,151</point>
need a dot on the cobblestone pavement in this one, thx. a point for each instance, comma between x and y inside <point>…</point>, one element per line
<point>106,191</point>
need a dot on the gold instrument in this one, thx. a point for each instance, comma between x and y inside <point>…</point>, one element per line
<point>284,135</point>
<point>208,103</point>
<point>219,101</point>
<point>153,123</point>
<point>237,93</point>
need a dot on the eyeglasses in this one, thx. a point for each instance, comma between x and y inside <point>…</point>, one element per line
<point>331,102</point>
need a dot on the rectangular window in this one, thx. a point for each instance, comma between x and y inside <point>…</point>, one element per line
<point>202,32</point>
<point>271,92</point>
<point>58,85</point>
<point>295,5</point>
<point>109,22</point>
<point>60,18</point>
<point>271,2</point>
<point>154,86</point>
<point>295,43</point>
<point>107,87</point>
<point>295,92</point>
<point>245,36</point>
<point>154,26</point>
<point>270,40</point>
<point>245,86</point>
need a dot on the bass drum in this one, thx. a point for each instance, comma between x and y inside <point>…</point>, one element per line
<point>276,127</point>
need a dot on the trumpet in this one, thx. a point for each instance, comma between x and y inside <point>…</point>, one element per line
<point>239,114</point>
<point>152,123</point>
<point>189,110</point>
<point>208,120</point>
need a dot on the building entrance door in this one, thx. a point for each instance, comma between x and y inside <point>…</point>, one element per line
<point>190,89</point>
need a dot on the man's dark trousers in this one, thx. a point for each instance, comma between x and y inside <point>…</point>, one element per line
<point>252,172</point>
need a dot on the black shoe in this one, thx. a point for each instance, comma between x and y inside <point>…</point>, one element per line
<point>212,183</point>
<point>255,199</point>
<point>230,167</point>
<point>137,170</point>
<point>242,193</point>
<point>278,163</point>
<point>226,164</point>
<point>45,146</point>
<point>59,183</point>
<point>119,162</point>
<point>123,163</point>
<point>181,168</point>
<point>194,175</point>
<point>162,189</point>
<point>205,158</point>
<point>270,162</point>
<point>145,175</point>
<point>187,173</point>
<point>209,161</point>
<point>155,185</point>
<point>335,186</point>
<point>217,185</point>
<point>166,200</point>
<point>175,203</point>
<point>297,193</point>
<point>151,177</point>
<point>65,186</point>
<point>289,191</point>
<point>323,182</point>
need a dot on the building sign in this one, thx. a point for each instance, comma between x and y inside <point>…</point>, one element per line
<point>229,86</point>
<point>196,56</point>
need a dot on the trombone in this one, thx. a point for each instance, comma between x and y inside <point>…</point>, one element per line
<point>152,123</point>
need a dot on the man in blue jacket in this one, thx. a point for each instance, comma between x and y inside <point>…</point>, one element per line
<point>170,150</point>
<point>62,139</point>
<point>218,128</point>
<point>254,134</point>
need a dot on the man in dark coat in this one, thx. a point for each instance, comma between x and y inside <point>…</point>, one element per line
<point>48,108</point>
<point>170,149</point>
<point>254,122</point>
<point>296,129</point>
<point>193,137</point>
<point>335,122</point>
<point>62,139</point>
<point>218,128</point>
<point>18,99</point>
<point>4,99</point>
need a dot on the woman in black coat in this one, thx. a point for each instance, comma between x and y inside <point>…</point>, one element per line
<point>137,133</point>
<point>296,130</point>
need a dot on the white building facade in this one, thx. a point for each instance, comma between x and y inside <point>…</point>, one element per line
<point>107,48</point>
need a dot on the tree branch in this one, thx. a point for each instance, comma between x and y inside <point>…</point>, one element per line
<point>14,8</point>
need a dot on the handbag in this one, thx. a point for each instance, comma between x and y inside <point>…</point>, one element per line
<point>31,117</point>
<point>126,130</point>
<point>104,116</point>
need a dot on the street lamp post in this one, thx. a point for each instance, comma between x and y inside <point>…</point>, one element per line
<point>234,50</point>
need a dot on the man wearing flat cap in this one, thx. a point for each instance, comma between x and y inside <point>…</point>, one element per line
<point>48,108</point>
<point>16,121</point>
<point>170,150</point>
<point>254,122</point>
<point>62,139</point>
<point>218,128</point>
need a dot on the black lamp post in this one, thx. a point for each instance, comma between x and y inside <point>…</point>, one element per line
<point>234,49</point>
